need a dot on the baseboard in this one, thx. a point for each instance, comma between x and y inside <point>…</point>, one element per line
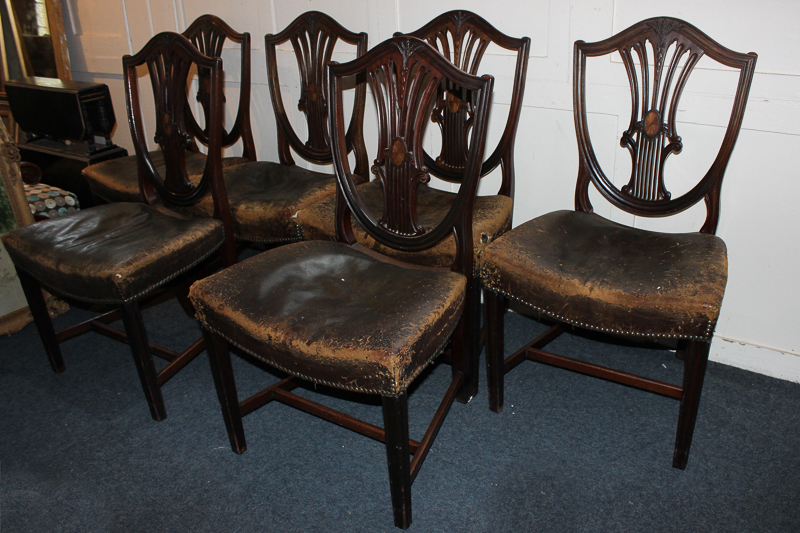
<point>768,361</point>
<point>15,321</point>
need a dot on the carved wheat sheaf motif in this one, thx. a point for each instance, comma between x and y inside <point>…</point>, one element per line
<point>653,135</point>
<point>453,109</point>
<point>459,19</point>
<point>168,71</point>
<point>403,88</point>
<point>313,50</point>
<point>408,49</point>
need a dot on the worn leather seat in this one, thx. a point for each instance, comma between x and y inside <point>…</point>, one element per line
<point>264,198</point>
<point>303,282</point>
<point>492,217</point>
<point>117,180</point>
<point>113,253</point>
<point>585,270</point>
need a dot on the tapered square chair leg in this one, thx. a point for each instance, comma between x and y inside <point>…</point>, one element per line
<point>395,420</point>
<point>134,327</point>
<point>41,317</point>
<point>220,358</point>
<point>693,377</point>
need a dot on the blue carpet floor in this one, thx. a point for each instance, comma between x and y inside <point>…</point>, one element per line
<point>80,453</point>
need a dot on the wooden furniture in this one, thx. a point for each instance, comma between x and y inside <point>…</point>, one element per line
<point>73,111</point>
<point>264,196</point>
<point>125,253</point>
<point>118,180</point>
<point>344,316</point>
<point>61,119</point>
<point>461,37</point>
<point>314,37</point>
<point>582,270</point>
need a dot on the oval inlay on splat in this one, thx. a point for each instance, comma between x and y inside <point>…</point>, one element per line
<point>398,152</point>
<point>312,91</point>
<point>652,123</point>
<point>453,102</point>
<point>167,123</point>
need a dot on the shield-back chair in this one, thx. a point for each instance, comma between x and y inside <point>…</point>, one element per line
<point>117,180</point>
<point>122,254</point>
<point>344,316</point>
<point>585,271</point>
<point>461,37</point>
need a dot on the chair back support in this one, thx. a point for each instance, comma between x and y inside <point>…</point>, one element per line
<point>668,49</point>
<point>463,37</point>
<point>314,36</point>
<point>404,74</point>
<point>208,34</point>
<point>169,58</point>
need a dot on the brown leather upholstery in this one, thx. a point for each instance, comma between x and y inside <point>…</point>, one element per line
<point>113,253</point>
<point>117,180</point>
<point>491,217</point>
<point>277,307</point>
<point>588,271</point>
<point>264,198</point>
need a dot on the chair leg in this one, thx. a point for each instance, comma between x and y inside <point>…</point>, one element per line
<point>41,317</point>
<point>468,362</point>
<point>134,328</point>
<point>220,358</point>
<point>395,421</point>
<point>182,294</point>
<point>693,376</point>
<point>495,348</point>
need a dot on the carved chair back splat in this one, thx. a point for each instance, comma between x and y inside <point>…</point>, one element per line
<point>208,34</point>
<point>314,37</point>
<point>463,38</point>
<point>659,56</point>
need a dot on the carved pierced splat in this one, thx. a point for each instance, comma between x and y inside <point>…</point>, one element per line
<point>404,74</point>
<point>403,88</point>
<point>169,57</point>
<point>209,34</point>
<point>652,135</point>
<point>207,38</point>
<point>463,44</point>
<point>463,38</point>
<point>313,49</point>
<point>314,37</point>
<point>168,72</point>
<point>659,54</point>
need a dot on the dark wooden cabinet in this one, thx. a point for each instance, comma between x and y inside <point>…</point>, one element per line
<point>62,121</point>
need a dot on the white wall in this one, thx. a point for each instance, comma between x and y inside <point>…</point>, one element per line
<point>757,329</point>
